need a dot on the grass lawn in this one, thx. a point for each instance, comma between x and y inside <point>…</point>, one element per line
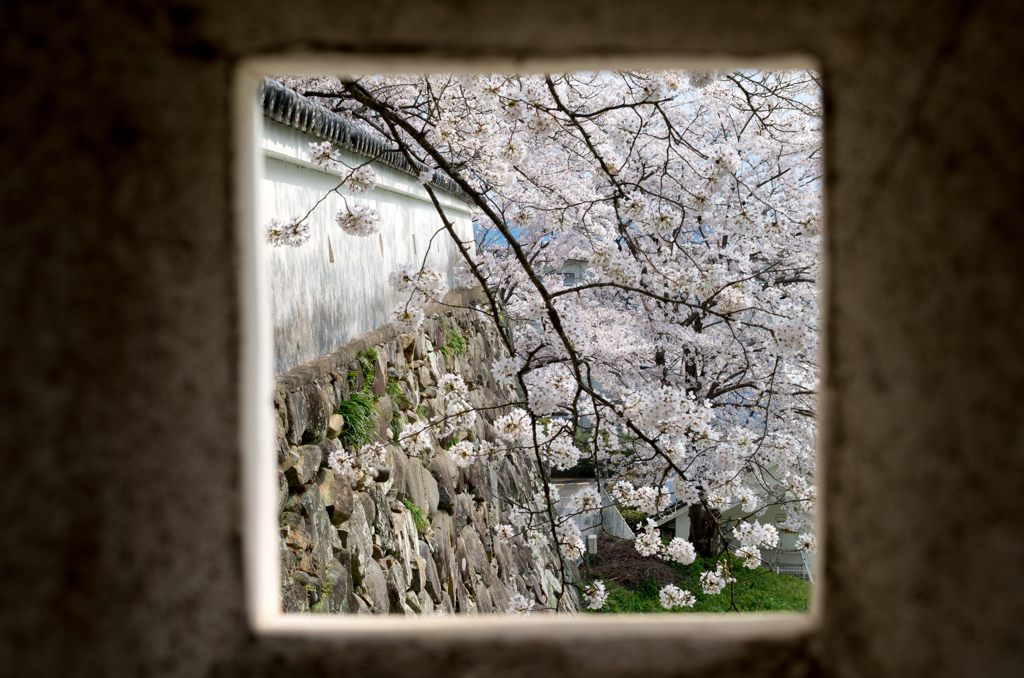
<point>755,591</point>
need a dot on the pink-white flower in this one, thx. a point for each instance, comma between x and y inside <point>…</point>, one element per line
<point>358,220</point>
<point>672,596</point>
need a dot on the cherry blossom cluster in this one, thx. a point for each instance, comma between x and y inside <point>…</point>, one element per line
<point>293,232</point>
<point>505,532</point>
<point>584,501</point>
<point>463,453</point>
<point>464,276</point>
<point>360,465</point>
<point>459,413</point>
<point>560,452</point>
<point>358,220</point>
<point>751,556</point>
<point>724,160</point>
<point>648,542</point>
<point>406,318</point>
<point>323,155</point>
<point>422,284</point>
<point>756,534</point>
<point>667,410</point>
<point>792,336</point>
<point>504,370</point>
<point>489,450</point>
<point>519,605</point>
<point>514,426</point>
<point>570,539</point>
<point>452,384</point>
<point>361,180</point>
<point>672,596</point>
<point>681,551</point>
<point>417,439</point>
<point>644,498</point>
<point>731,300</point>
<point>806,542</point>
<point>550,388</point>
<point>713,583</point>
<point>595,595</point>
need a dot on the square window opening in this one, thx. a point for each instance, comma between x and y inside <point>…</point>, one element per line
<point>753,207</point>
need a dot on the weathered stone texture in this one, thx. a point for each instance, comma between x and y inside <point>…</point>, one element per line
<point>387,565</point>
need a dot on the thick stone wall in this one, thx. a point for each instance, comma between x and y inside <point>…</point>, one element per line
<point>353,546</point>
<point>121,496</point>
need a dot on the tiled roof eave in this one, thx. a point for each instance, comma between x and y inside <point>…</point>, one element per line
<point>290,108</point>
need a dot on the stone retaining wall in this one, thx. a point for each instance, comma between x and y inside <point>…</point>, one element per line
<point>355,547</point>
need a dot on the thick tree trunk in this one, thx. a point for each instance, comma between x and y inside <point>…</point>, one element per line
<point>704,533</point>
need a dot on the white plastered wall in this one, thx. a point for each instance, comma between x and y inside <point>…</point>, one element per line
<point>317,304</point>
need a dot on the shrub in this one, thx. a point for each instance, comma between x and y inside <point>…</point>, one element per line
<point>632,517</point>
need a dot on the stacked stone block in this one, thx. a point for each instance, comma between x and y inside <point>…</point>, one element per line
<point>355,547</point>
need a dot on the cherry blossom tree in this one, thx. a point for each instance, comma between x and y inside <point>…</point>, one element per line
<point>684,363</point>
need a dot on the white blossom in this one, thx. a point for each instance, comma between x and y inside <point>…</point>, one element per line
<point>806,542</point>
<point>293,232</point>
<point>791,336</point>
<point>463,454</point>
<point>513,426</point>
<point>505,369</point>
<point>361,180</point>
<point>416,439</point>
<point>406,318</point>
<point>519,605</point>
<point>583,501</point>
<point>681,551</point>
<point>648,542</point>
<point>505,532</point>
<point>756,534</point>
<point>570,541</point>
<point>672,596</point>
<point>713,583</point>
<point>358,220</point>
<point>421,284</point>
<point>595,596</point>
<point>452,383</point>
<point>322,154</point>
<point>751,556</point>
<point>561,453</point>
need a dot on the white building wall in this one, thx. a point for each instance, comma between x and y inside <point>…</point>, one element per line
<point>334,288</point>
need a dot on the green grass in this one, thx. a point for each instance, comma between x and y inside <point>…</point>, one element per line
<point>456,343</point>
<point>394,392</point>
<point>756,591</point>
<point>397,425</point>
<point>360,419</point>
<point>418,516</point>
<point>367,364</point>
